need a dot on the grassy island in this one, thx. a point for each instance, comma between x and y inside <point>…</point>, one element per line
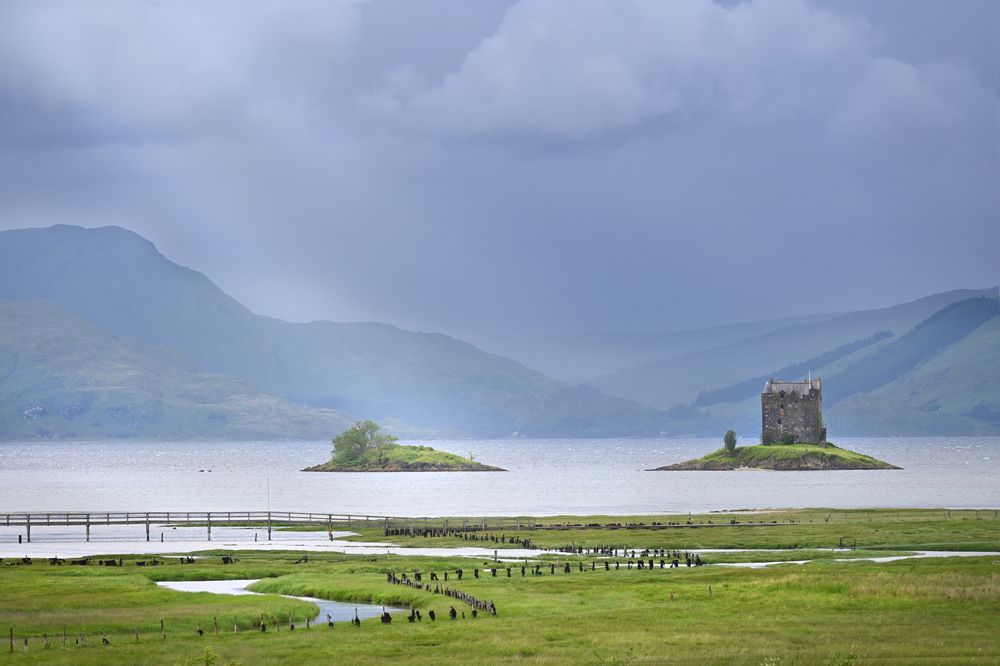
<point>782,457</point>
<point>363,448</point>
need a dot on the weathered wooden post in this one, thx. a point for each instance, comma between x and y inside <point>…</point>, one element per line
<point>88,527</point>
<point>209,514</point>
<point>268,525</point>
<point>147,527</point>
<point>27,524</point>
<point>329,523</point>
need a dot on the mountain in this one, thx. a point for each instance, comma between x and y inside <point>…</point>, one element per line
<point>928,338</point>
<point>62,377</point>
<point>679,379</point>
<point>942,377</point>
<point>118,282</point>
<point>953,391</point>
<point>102,336</point>
<point>577,357</point>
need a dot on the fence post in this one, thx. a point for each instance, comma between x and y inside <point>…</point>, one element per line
<point>27,524</point>
<point>209,514</point>
<point>268,525</point>
<point>147,527</point>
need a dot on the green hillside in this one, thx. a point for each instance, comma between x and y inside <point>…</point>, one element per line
<point>679,379</point>
<point>118,281</point>
<point>61,377</point>
<point>956,391</point>
<point>939,378</point>
<point>750,388</point>
<point>894,360</point>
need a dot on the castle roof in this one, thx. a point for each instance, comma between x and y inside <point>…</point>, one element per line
<point>800,388</point>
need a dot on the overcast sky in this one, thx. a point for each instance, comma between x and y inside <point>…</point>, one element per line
<point>504,167</point>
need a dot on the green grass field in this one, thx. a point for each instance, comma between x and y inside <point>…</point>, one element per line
<point>903,529</point>
<point>941,610</point>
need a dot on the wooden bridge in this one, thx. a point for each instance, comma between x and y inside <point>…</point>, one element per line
<point>266,519</point>
<point>414,526</point>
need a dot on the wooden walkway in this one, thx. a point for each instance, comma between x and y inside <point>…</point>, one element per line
<point>208,519</point>
<point>331,521</point>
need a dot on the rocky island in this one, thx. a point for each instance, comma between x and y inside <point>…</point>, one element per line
<point>793,437</point>
<point>363,448</point>
<point>783,457</point>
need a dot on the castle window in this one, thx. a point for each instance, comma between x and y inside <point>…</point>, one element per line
<point>782,406</point>
<point>779,421</point>
<point>781,394</point>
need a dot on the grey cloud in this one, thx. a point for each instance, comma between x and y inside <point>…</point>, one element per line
<point>135,70</point>
<point>611,66</point>
<point>705,144</point>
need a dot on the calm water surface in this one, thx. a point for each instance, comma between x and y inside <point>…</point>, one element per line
<point>546,477</point>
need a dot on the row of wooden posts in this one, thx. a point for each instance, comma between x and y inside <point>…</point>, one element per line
<point>81,638</point>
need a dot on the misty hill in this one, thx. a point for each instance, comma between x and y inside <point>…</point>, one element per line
<point>925,340</point>
<point>955,390</point>
<point>940,377</point>
<point>750,388</point>
<point>62,377</point>
<point>575,357</point>
<point>679,379</point>
<point>119,282</point>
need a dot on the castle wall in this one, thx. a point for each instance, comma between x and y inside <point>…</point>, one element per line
<point>799,415</point>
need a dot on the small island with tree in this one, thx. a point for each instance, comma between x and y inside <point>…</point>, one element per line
<point>781,456</point>
<point>793,437</point>
<point>364,448</point>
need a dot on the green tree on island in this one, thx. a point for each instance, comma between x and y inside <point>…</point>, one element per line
<point>730,441</point>
<point>362,444</point>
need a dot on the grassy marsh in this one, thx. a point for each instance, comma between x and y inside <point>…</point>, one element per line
<point>930,610</point>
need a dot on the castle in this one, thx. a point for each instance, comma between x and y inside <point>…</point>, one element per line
<point>792,410</point>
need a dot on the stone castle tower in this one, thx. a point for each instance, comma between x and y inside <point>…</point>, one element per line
<point>792,409</point>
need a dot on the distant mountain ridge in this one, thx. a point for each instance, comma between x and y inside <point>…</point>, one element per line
<point>677,380</point>
<point>906,384</point>
<point>102,336</point>
<point>119,282</point>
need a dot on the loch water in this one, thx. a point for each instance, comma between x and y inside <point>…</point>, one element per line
<point>545,477</point>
